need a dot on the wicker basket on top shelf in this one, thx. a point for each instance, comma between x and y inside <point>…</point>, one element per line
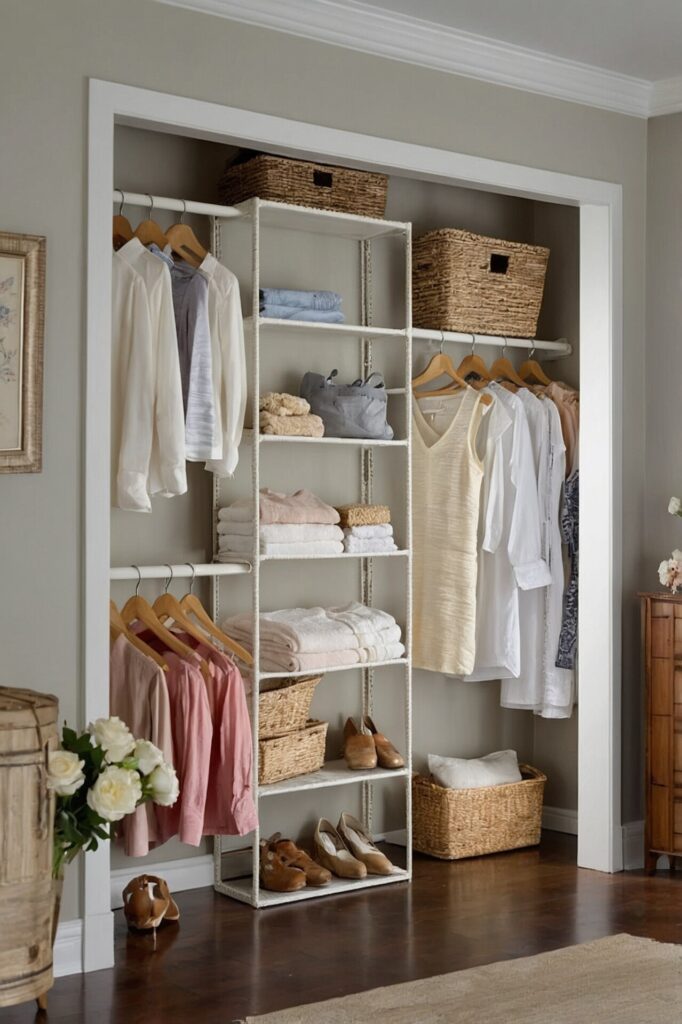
<point>284,706</point>
<point>456,823</point>
<point>467,282</point>
<point>303,183</point>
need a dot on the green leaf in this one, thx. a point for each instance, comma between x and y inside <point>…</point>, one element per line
<point>69,737</point>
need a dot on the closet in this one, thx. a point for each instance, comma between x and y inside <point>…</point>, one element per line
<point>422,711</point>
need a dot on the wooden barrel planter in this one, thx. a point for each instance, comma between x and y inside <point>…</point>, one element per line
<point>28,729</point>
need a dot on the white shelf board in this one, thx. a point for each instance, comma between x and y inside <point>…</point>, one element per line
<point>332,668</point>
<point>356,442</point>
<point>333,773</point>
<point>269,325</point>
<point>240,889</point>
<point>323,222</point>
<point>343,556</point>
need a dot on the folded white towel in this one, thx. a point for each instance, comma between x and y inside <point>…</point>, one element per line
<point>369,545</point>
<point>235,542</point>
<point>382,652</point>
<point>233,526</point>
<point>375,530</point>
<point>269,544</point>
<point>365,622</point>
<point>321,548</point>
<point>296,629</point>
<point>290,533</point>
<point>276,659</point>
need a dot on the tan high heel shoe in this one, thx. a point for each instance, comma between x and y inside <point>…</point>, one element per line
<point>361,845</point>
<point>331,851</point>
<point>387,755</point>
<point>359,750</point>
<point>146,902</point>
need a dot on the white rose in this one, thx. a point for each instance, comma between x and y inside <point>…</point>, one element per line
<point>165,787</point>
<point>115,793</point>
<point>64,772</point>
<point>676,555</point>
<point>674,506</point>
<point>113,736</point>
<point>147,756</point>
<point>664,573</point>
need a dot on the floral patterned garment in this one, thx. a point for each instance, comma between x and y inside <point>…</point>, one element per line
<point>568,638</point>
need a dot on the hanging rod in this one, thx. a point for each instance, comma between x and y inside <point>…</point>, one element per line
<point>178,205</point>
<point>184,569</point>
<point>558,348</point>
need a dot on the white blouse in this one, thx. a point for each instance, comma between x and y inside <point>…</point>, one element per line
<point>152,429</point>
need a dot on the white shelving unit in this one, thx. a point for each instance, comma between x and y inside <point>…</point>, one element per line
<point>264,215</point>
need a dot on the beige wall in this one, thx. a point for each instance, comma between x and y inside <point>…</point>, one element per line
<point>47,53</point>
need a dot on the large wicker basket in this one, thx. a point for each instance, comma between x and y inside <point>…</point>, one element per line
<point>305,184</point>
<point>297,753</point>
<point>285,707</point>
<point>456,823</point>
<point>466,282</point>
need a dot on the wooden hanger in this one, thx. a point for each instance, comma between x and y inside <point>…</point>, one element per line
<point>531,371</point>
<point>122,232</point>
<point>191,605</point>
<point>137,609</point>
<point>473,364</point>
<point>167,606</point>
<point>441,365</point>
<point>185,243</point>
<point>148,231</point>
<point>503,370</point>
<point>118,627</point>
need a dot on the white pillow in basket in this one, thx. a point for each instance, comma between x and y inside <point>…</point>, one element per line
<point>473,773</point>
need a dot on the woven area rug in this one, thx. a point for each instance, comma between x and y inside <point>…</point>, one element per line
<point>619,980</point>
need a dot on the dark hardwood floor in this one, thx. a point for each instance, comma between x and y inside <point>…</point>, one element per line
<point>225,961</point>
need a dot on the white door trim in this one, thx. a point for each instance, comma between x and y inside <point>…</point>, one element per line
<point>601,335</point>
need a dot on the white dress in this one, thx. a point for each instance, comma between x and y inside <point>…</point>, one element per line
<point>446,488</point>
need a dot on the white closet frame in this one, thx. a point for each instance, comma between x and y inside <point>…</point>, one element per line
<point>600,835</point>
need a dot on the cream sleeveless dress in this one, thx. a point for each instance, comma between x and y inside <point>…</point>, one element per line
<point>446,488</point>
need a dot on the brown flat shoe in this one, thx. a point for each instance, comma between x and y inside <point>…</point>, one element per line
<point>359,750</point>
<point>361,845</point>
<point>144,904</point>
<point>275,874</point>
<point>387,755</point>
<point>331,851</point>
<point>294,857</point>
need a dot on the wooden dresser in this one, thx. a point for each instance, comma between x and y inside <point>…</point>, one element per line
<point>662,646</point>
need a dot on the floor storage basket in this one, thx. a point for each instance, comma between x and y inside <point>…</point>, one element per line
<point>297,753</point>
<point>467,282</point>
<point>285,707</point>
<point>302,183</point>
<point>456,823</point>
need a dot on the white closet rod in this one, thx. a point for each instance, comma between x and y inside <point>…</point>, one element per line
<point>179,205</point>
<point>559,348</point>
<point>160,572</point>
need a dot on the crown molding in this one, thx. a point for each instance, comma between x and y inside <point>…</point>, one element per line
<point>666,97</point>
<point>361,26</point>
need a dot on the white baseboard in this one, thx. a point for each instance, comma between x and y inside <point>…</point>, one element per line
<point>181,875</point>
<point>560,819</point>
<point>67,954</point>
<point>397,838</point>
<point>633,845</point>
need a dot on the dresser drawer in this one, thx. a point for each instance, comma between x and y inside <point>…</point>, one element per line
<point>660,753</point>
<point>659,817</point>
<point>661,638</point>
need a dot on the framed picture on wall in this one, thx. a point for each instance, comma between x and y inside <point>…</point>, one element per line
<point>22,317</point>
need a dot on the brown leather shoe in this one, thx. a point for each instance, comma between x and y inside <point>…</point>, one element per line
<point>294,857</point>
<point>144,903</point>
<point>359,749</point>
<point>331,851</point>
<point>387,755</point>
<point>361,845</point>
<point>275,874</point>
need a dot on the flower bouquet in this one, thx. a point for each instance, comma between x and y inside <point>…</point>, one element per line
<point>670,569</point>
<point>98,778</point>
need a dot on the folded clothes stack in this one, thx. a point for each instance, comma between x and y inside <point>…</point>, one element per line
<point>289,415</point>
<point>292,304</point>
<point>369,540</point>
<point>310,639</point>
<point>291,525</point>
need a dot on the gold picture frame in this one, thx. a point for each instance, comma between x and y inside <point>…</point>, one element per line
<point>22,324</point>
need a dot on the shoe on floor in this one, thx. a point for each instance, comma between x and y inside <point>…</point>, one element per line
<point>294,857</point>
<point>361,845</point>
<point>387,755</point>
<point>275,874</point>
<point>144,903</point>
<point>332,853</point>
<point>359,749</point>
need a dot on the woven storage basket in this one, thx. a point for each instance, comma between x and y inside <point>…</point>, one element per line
<point>305,184</point>
<point>466,282</point>
<point>297,753</point>
<point>286,707</point>
<point>456,823</point>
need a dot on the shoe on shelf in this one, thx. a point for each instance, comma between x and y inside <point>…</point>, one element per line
<point>387,755</point>
<point>331,852</point>
<point>275,874</point>
<point>359,749</point>
<point>146,902</point>
<point>294,857</point>
<point>361,845</point>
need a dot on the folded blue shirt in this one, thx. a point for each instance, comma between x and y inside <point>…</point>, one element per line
<point>299,299</point>
<point>320,316</point>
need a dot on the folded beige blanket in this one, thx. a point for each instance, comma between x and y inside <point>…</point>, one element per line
<point>277,507</point>
<point>279,403</point>
<point>363,515</point>
<point>299,426</point>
